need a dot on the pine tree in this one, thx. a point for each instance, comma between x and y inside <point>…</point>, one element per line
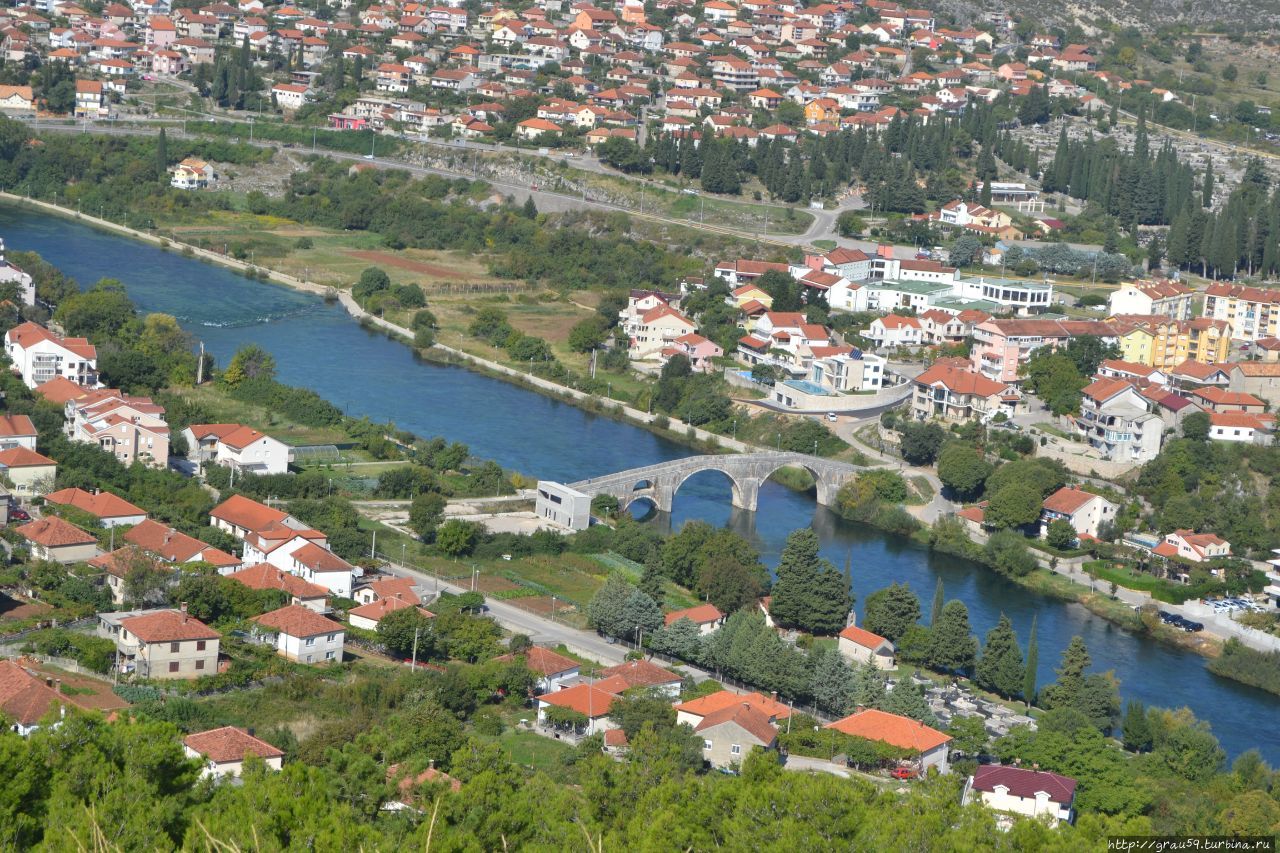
<point>952,646</point>
<point>869,686</point>
<point>651,579</point>
<point>810,592</point>
<point>907,700</point>
<point>1001,669</point>
<point>1033,661</point>
<point>1137,727</point>
<point>833,683</point>
<point>1206,191</point>
<point>938,599</point>
<point>1068,690</point>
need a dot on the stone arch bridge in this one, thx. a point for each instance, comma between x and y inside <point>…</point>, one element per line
<point>746,471</point>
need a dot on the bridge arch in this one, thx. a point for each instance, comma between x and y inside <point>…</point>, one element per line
<point>826,483</point>
<point>736,483</point>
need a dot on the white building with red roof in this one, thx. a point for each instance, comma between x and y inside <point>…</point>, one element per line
<point>859,645</point>
<point>111,510</point>
<point>952,393</point>
<point>1084,511</point>
<point>132,429</point>
<point>553,670</point>
<point>52,539</point>
<point>223,751</point>
<point>300,634</point>
<point>589,700</point>
<point>39,355</point>
<point>300,592</point>
<point>656,330</point>
<point>1023,791</point>
<point>927,745</point>
<point>706,616</point>
<point>895,331</point>
<point>1193,547</point>
<point>238,446</point>
<point>367,616</point>
<point>162,643</point>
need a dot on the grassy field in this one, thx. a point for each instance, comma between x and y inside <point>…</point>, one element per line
<point>224,409</point>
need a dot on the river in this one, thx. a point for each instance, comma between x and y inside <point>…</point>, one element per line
<point>319,346</point>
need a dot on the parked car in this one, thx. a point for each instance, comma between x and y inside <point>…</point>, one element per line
<point>18,514</point>
<point>831,416</point>
<point>904,773</point>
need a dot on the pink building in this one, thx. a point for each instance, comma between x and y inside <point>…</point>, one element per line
<point>340,121</point>
<point>699,350</point>
<point>1000,347</point>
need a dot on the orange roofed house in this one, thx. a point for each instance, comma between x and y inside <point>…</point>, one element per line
<point>162,643</point>
<point>58,541</point>
<point>1193,547</point>
<point>862,646</point>
<point>224,751</point>
<point>952,393</point>
<point>109,509</point>
<point>928,744</point>
<point>300,634</point>
<point>39,356</point>
<point>586,699</point>
<point>26,697</point>
<point>266,576</point>
<point>238,446</point>
<point>553,670</point>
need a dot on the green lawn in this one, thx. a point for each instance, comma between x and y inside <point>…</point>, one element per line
<point>224,409</point>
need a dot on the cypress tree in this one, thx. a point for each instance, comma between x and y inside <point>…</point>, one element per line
<point>1206,190</point>
<point>1001,669</point>
<point>936,609</point>
<point>1033,661</point>
<point>1137,727</point>
<point>952,646</point>
<point>162,156</point>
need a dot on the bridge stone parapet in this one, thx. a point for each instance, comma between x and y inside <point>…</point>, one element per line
<point>746,472</point>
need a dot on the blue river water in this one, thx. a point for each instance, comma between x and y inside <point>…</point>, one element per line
<point>319,346</point>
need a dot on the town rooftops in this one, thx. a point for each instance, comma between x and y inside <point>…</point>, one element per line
<point>393,588</point>
<point>584,698</point>
<point>168,626</point>
<point>1023,783</point>
<point>1067,500</point>
<point>53,532</point>
<point>164,541</point>
<point>99,505</point>
<point>297,621</point>
<point>60,390</point>
<point>703,614</point>
<point>1223,397</point>
<point>267,576</point>
<point>902,732</point>
<point>21,457</point>
<point>1258,368</point>
<point>26,698</point>
<point>229,744</point>
<point>321,559</point>
<point>247,513</point>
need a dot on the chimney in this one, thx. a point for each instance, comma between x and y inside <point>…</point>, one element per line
<point>774,694</point>
<point>1035,766</point>
<point>48,681</point>
<point>183,608</point>
<point>431,763</point>
<point>859,709</point>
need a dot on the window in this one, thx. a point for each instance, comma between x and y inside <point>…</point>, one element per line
<point>706,744</point>
<point>200,645</point>
<point>200,664</point>
<point>173,666</point>
<point>735,749</point>
<point>311,641</point>
<point>329,655</point>
<point>174,647</point>
<point>332,637</point>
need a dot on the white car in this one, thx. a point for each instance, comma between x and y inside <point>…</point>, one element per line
<point>831,416</point>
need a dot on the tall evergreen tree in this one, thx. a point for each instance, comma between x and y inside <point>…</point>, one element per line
<point>1033,661</point>
<point>1001,669</point>
<point>1068,690</point>
<point>810,593</point>
<point>938,600</point>
<point>1137,727</point>
<point>162,156</point>
<point>833,684</point>
<point>952,645</point>
<point>907,700</point>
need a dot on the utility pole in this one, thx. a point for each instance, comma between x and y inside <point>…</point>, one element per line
<point>373,547</point>
<point>200,366</point>
<point>414,664</point>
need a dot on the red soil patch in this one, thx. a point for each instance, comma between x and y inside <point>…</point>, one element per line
<point>494,583</point>
<point>390,260</point>
<point>541,605</point>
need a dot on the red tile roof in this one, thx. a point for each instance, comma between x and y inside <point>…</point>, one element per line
<point>1067,500</point>
<point>298,621</point>
<point>1024,783</point>
<point>862,637</point>
<point>249,514</point>
<point>748,717</point>
<point>641,673</point>
<point>544,661</point>
<point>16,425</point>
<point>902,732</point>
<point>700,615</point>
<point>320,559</point>
<point>24,697</point>
<point>375,610</point>
<point>53,532</point>
<point>21,457</point>
<point>267,576</point>
<point>168,626</point>
<point>100,505</point>
<point>961,381</point>
<point>230,744</point>
<point>717,701</point>
<point>583,698</point>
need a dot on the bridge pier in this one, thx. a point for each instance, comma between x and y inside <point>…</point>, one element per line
<point>746,493</point>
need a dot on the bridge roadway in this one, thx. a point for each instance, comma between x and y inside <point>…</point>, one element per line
<point>746,471</point>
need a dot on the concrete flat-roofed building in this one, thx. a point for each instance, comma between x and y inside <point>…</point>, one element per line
<point>563,506</point>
